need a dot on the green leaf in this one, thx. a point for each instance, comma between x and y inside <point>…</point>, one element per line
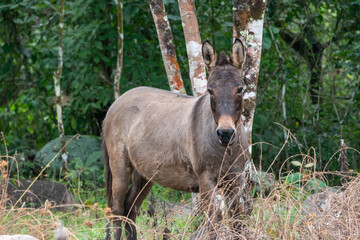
<point>292,177</point>
<point>99,45</point>
<point>78,163</point>
<point>275,30</point>
<point>105,58</point>
<point>130,11</point>
<point>18,21</point>
<point>266,44</point>
<point>102,5</point>
<point>174,17</point>
<point>296,163</point>
<point>73,123</point>
<point>309,165</point>
<point>316,184</point>
<point>227,24</point>
<point>95,156</point>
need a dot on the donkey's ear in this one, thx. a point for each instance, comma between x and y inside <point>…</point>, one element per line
<point>209,55</point>
<point>238,54</point>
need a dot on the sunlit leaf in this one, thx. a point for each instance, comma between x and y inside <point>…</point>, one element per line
<point>309,165</point>
<point>296,163</point>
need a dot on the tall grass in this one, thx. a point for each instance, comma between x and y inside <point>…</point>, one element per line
<point>279,213</point>
<point>81,222</point>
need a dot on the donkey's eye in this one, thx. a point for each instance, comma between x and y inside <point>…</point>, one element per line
<point>211,92</point>
<point>239,90</point>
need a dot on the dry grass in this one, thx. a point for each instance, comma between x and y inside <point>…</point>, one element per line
<point>279,214</point>
<point>81,222</point>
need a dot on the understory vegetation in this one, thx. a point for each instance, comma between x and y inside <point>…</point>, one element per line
<point>299,205</point>
<point>308,100</point>
<point>309,73</point>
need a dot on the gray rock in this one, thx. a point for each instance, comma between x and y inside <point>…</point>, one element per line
<point>41,191</point>
<point>60,233</point>
<point>17,237</point>
<point>320,203</point>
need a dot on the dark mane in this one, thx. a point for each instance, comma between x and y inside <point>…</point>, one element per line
<point>223,59</point>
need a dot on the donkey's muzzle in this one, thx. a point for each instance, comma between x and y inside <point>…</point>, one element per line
<point>226,136</point>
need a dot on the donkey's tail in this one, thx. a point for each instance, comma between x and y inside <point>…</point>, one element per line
<point>108,175</point>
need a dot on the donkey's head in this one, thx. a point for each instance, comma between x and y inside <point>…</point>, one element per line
<point>225,86</point>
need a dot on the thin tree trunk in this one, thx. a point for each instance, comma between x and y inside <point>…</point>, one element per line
<point>344,163</point>
<point>167,46</point>
<point>283,103</point>
<point>117,77</point>
<point>193,46</point>
<point>248,26</point>
<point>57,76</point>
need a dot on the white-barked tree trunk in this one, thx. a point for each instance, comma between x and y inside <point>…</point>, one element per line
<point>190,25</point>
<point>57,77</point>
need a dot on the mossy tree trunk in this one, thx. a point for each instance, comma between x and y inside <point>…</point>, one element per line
<point>248,20</point>
<point>167,46</point>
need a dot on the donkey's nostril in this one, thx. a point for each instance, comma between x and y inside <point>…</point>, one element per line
<point>225,135</point>
<point>225,132</point>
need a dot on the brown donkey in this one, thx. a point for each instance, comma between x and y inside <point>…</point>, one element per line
<point>182,142</point>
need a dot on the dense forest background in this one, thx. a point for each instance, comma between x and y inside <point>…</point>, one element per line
<point>309,75</point>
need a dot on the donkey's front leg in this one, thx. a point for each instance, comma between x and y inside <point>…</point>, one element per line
<point>238,190</point>
<point>207,186</point>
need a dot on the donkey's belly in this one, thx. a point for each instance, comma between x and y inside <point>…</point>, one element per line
<point>177,178</point>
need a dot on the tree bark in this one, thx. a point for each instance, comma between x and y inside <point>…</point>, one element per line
<point>117,77</point>
<point>193,47</point>
<point>248,19</point>
<point>57,76</point>
<point>248,26</point>
<point>167,46</point>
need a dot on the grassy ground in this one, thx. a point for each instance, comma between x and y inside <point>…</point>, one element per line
<point>278,214</point>
<point>281,215</point>
<point>89,222</point>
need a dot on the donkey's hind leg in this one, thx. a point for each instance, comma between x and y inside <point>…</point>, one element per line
<point>140,188</point>
<point>121,170</point>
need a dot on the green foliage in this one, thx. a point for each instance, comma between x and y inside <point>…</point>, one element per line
<point>167,194</point>
<point>323,46</point>
<point>84,174</point>
<point>28,58</point>
<point>299,179</point>
<point>85,150</point>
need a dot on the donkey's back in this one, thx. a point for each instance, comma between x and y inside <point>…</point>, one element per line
<point>150,108</point>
